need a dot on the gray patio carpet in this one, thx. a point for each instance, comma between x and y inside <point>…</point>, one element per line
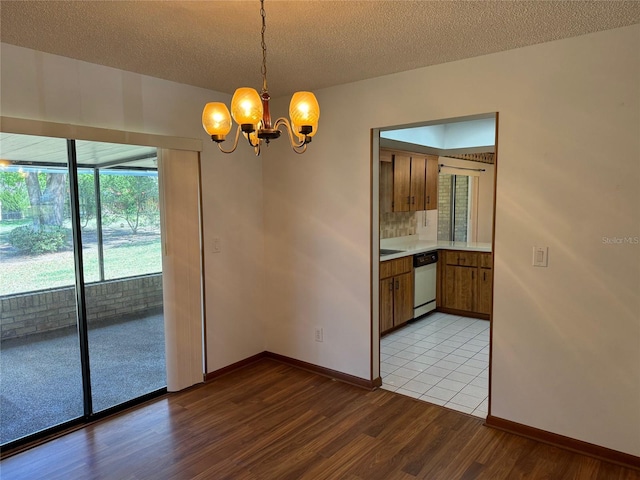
<point>40,378</point>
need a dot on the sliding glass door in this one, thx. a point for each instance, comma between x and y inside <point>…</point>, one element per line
<point>80,281</point>
<point>123,272</point>
<point>41,379</point>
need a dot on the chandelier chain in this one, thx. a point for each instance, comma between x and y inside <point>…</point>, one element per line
<point>263,14</point>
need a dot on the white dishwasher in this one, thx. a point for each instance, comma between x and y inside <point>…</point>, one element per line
<point>424,267</point>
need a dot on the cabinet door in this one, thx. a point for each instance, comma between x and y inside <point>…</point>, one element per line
<point>417,184</point>
<point>460,287</point>
<point>431,188</point>
<point>403,299</point>
<point>386,304</point>
<point>386,187</point>
<point>484,290</point>
<point>401,183</point>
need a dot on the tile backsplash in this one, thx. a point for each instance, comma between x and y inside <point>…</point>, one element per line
<point>397,224</point>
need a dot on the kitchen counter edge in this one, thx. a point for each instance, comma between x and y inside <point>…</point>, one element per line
<point>429,247</point>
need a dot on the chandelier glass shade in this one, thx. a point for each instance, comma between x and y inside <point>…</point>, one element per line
<point>250,111</point>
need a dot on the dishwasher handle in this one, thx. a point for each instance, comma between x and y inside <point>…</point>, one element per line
<point>422,259</point>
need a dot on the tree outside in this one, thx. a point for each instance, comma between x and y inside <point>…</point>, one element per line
<point>132,199</point>
<point>35,226</point>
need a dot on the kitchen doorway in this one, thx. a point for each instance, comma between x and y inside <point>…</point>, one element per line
<point>444,174</point>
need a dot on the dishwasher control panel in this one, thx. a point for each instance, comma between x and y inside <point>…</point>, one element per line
<point>426,258</point>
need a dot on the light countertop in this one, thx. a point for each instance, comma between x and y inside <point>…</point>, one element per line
<point>411,245</point>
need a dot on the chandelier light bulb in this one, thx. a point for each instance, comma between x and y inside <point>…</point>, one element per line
<point>246,107</point>
<point>216,119</point>
<point>304,110</point>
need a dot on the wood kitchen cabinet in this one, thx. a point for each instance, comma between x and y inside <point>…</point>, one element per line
<point>401,183</point>
<point>418,183</point>
<point>460,287</point>
<point>485,283</point>
<point>431,185</point>
<point>396,293</point>
<point>408,181</point>
<point>465,282</point>
<point>386,185</point>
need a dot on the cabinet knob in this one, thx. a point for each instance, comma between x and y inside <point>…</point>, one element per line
<point>397,285</point>
<point>409,199</point>
<point>391,286</point>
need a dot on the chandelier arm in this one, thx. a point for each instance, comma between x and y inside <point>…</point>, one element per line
<point>300,150</point>
<point>235,143</point>
<point>294,143</point>
<point>248,137</point>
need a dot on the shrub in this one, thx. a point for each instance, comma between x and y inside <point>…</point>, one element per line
<point>32,241</point>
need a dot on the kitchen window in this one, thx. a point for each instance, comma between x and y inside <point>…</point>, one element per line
<point>457,205</point>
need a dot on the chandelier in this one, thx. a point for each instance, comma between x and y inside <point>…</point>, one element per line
<point>250,111</point>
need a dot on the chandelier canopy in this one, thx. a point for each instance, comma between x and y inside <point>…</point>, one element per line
<point>250,111</point>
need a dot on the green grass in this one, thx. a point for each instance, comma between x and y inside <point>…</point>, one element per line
<point>7,225</point>
<point>55,270</point>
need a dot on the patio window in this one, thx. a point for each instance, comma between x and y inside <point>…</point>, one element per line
<point>119,215</point>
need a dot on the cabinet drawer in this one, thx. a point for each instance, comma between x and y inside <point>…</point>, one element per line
<point>461,258</point>
<point>391,268</point>
<point>486,260</point>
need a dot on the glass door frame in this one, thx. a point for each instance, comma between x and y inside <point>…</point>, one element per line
<point>72,169</point>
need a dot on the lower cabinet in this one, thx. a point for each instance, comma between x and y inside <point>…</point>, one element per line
<point>396,292</point>
<point>485,287</point>
<point>465,282</point>
<point>459,287</point>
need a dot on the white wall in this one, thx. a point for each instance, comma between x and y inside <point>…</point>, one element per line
<point>566,341</point>
<point>40,86</point>
<point>485,194</point>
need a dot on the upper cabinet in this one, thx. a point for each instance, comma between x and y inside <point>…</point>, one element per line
<point>408,182</point>
<point>431,189</point>
<point>386,182</point>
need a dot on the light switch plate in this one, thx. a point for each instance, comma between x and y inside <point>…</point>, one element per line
<point>215,245</point>
<point>540,256</point>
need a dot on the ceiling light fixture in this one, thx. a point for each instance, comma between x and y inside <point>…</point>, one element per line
<point>251,113</point>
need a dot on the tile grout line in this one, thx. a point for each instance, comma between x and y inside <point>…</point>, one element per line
<point>444,326</point>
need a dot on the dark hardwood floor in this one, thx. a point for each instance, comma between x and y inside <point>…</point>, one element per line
<point>273,421</point>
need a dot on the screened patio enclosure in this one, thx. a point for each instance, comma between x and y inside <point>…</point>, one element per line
<point>81,305</point>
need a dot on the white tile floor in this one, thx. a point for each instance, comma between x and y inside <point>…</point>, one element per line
<point>441,359</point>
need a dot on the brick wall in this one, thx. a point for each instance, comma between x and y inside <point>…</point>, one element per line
<point>29,313</point>
<point>444,207</point>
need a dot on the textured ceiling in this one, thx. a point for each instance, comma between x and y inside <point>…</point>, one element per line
<point>311,44</point>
